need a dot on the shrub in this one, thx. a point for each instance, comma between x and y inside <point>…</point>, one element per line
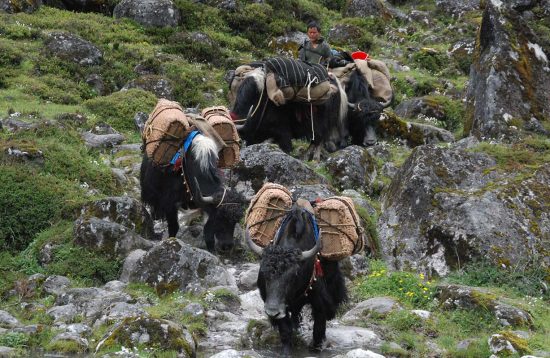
<point>14,340</point>
<point>406,286</point>
<point>118,109</point>
<point>430,59</point>
<point>30,202</point>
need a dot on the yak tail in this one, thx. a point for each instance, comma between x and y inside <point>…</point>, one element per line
<point>343,110</point>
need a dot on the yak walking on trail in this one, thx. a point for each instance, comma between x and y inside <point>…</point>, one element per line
<point>320,122</point>
<point>292,276</point>
<point>190,183</point>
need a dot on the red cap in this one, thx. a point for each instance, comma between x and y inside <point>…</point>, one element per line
<point>359,55</point>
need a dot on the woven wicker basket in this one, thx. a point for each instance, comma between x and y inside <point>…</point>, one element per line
<point>340,229</point>
<point>220,120</point>
<point>164,131</point>
<point>266,212</point>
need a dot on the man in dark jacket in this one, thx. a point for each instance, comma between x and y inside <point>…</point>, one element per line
<point>316,49</point>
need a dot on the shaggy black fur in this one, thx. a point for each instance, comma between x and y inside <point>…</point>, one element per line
<point>284,279</point>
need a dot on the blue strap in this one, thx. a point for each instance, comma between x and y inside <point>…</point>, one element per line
<point>189,140</point>
<point>186,146</point>
<point>315,226</point>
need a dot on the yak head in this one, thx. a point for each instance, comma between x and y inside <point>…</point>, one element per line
<point>286,265</point>
<point>249,93</point>
<point>364,112</point>
<point>225,207</point>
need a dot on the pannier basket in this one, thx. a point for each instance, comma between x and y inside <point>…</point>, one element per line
<point>339,227</point>
<point>164,132</point>
<point>266,212</point>
<point>219,118</point>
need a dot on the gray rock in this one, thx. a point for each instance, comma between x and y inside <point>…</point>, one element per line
<point>123,210</point>
<point>464,297</point>
<point>8,352</point>
<point>262,163</point>
<point>102,140</point>
<point>365,8</point>
<point>440,209</point>
<point>81,342</point>
<point>361,353</point>
<point>175,264</point>
<point>120,311</point>
<point>56,285</point>
<point>63,314</point>
<point>350,337</point>
<point>12,7</point>
<point>498,344</point>
<point>73,48</point>
<point>108,237</point>
<point>7,320</point>
<point>159,86</point>
<point>352,168</point>
<point>150,332</point>
<point>510,79</point>
<point>457,7</point>
<point>248,277</point>
<point>379,306</point>
<point>131,263</point>
<point>156,13</point>
<point>194,310</point>
<point>312,192</point>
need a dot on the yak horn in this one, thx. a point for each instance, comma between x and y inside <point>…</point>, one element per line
<point>239,127</point>
<point>205,200</point>
<point>257,249</point>
<point>313,251</point>
<point>352,105</point>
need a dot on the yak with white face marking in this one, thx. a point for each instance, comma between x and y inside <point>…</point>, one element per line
<point>194,183</point>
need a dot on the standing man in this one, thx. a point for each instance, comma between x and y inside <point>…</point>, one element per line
<point>316,49</point>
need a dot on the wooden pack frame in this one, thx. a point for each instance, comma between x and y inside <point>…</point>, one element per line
<point>266,212</point>
<point>219,118</point>
<point>164,132</point>
<point>340,228</point>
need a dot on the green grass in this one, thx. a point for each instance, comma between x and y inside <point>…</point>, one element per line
<point>410,288</point>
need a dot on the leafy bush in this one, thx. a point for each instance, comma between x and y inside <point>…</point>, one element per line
<point>430,59</point>
<point>30,202</point>
<point>253,22</point>
<point>118,109</point>
<point>77,262</point>
<point>407,287</point>
<point>14,340</point>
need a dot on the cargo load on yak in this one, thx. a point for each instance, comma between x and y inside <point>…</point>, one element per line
<point>266,212</point>
<point>164,132</point>
<point>375,72</point>
<point>220,119</point>
<point>339,227</point>
<point>289,80</point>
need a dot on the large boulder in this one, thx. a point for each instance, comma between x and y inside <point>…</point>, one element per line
<point>510,75</point>
<point>73,48</point>
<point>448,206</point>
<point>14,6</point>
<point>155,13</point>
<point>173,265</point>
<point>262,163</point>
<point>352,168</point>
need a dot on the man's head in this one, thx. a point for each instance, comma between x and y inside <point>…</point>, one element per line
<point>313,31</point>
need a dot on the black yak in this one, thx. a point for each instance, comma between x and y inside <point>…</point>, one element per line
<point>320,123</point>
<point>291,275</point>
<point>194,183</point>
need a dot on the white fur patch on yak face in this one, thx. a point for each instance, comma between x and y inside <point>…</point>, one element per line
<point>259,77</point>
<point>202,149</point>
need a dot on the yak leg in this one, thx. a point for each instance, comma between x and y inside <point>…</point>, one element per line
<point>172,219</point>
<point>209,238</point>
<point>313,152</point>
<point>319,329</point>
<point>285,331</point>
